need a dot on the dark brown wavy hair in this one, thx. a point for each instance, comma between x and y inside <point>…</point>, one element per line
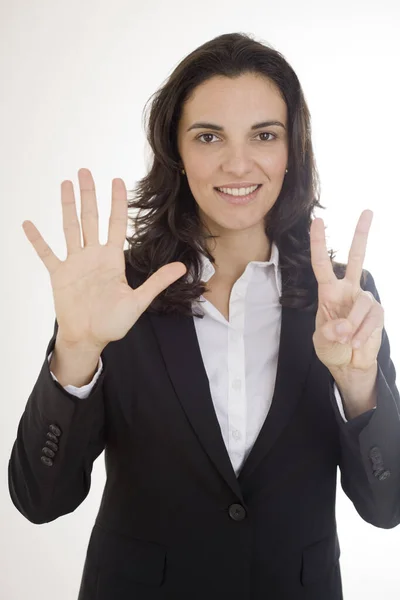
<point>166,226</point>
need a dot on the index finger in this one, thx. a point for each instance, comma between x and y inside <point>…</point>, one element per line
<point>320,260</point>
<point>118,221</point>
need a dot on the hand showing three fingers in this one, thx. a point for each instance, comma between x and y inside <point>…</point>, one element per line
<point>93,302</point>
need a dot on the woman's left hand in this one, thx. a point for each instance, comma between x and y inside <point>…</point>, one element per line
<point>343,301</point>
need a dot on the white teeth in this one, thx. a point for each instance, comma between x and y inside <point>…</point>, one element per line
<point>238,191</point>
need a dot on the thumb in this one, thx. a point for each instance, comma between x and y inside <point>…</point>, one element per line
<point>157,283</point>
<point>328,333</point>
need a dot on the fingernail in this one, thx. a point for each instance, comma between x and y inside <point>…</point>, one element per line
<point>344,340</point>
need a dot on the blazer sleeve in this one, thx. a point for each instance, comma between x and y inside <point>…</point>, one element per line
<point>370,445</point>
<point>59,436</point>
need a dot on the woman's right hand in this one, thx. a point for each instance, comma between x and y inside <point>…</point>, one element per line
<point>93,301</point>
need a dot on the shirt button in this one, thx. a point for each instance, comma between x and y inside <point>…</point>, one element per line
<point>237,384</point>
<point>236,434</point>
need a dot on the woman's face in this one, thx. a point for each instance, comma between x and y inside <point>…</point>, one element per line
<point>236,153</point>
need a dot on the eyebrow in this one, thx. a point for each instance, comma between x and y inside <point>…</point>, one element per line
<point>219,128</point>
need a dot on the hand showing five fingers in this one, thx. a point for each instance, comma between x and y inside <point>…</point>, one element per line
<point>93,302</point>
<point>343,301</point>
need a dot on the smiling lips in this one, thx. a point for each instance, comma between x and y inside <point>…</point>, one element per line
<point>238,191</point>
<point>236,198</point>
<point>242,184</point>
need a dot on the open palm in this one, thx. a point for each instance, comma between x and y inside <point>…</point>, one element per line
<point>93,302</point>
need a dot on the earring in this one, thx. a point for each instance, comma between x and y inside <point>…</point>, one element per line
<point>286,170</point>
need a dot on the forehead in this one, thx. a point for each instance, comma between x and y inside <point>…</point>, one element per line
<point>222,96</point>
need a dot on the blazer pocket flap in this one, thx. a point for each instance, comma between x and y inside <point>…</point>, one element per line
<point>127,557</point>
<point>319,558</point>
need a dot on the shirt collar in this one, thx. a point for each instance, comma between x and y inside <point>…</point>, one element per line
<point>208,269</point>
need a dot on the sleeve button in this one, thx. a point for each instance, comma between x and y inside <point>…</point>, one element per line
<point>52,445</point>
<point>56,430</point>
<point>48,452</point>
<point>375,453</point>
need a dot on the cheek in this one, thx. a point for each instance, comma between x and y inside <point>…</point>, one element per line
<point>202,174</point>
<point>273,166</point>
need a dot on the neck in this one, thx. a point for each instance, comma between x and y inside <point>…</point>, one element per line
<point>232,258</point>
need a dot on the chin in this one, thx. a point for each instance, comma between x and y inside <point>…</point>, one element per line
<point>234,223</point>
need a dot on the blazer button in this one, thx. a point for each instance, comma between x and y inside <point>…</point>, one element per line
<point>56,430</point>
<point>47,461</point>
<point>237,512</point>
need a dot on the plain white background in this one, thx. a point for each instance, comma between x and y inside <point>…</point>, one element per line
<point>75,77</point>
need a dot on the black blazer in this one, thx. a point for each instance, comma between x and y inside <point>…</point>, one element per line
<point>175,523</point>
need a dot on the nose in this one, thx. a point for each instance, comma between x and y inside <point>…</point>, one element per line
<point>238,162</point>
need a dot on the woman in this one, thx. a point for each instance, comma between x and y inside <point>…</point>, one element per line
<point>205,361</point>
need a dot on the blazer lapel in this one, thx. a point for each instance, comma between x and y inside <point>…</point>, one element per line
<point>294,357</point>
<point>178,343</point>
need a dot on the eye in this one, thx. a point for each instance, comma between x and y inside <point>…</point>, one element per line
<point>213,135</point>
<point>203,135</point>
<point>268,133</point>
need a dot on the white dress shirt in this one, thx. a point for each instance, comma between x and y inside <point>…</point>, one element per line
<point>240,366</point>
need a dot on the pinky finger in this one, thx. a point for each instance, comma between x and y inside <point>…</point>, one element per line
<point>43,250</point>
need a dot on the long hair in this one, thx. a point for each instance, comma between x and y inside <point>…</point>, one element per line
<point>167,226</point>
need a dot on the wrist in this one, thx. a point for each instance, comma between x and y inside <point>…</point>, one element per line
<point>84,347</point>
<point>352,374</point>
<point>74,364</point>
<point>358,389</point>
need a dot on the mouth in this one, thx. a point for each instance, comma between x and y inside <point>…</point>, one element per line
<point>239,200</point>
